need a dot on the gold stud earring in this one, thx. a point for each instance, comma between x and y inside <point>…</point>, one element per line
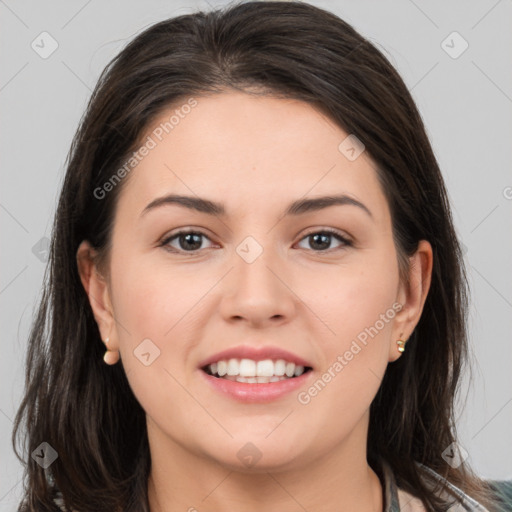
<point>111,356</point>
<point>401,345</point>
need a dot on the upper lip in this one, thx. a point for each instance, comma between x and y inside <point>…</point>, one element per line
<point>255,353</point>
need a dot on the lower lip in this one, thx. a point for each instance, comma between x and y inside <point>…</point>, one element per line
<point>257,392</point>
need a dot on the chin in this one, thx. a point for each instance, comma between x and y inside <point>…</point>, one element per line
<point>256,457</point>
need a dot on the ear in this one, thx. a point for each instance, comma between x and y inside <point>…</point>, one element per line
<point>412,296</point>
<point>96,287</point>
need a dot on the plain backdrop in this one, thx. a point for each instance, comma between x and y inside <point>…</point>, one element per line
<point>462,84</point>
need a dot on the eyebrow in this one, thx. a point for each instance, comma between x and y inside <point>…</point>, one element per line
<point>298,207</point>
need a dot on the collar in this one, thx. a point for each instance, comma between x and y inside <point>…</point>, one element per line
<point>399,500</point>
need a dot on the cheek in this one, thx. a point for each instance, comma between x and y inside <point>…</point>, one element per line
<point>156,308</point>
<point>152,298</point>
<point>354,358</point>
<point>360,315</point>
<point>149,339</point>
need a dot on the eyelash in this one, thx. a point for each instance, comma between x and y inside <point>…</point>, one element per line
<point>346,242</point>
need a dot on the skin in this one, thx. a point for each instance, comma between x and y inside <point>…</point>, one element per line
<point>256,155</point>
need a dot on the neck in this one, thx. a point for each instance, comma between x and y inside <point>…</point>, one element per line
<point>340,479</point>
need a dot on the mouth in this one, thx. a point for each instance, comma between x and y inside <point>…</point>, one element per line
<point>250,371</point>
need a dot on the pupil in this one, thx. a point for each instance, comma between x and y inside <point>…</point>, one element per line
<point>187,237</point>
<point>325,237</point>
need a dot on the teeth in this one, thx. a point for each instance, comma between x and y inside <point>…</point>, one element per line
<point>279,367</point>
<point>233,367</point>
<point>265,368</point>
<point>248,370</point>
<point>299,370</point>
<point>222,368</point>
<point>259,380</point>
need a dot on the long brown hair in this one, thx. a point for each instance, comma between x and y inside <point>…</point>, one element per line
<point>84,409</point>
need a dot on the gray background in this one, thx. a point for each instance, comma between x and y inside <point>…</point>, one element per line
<point>466,103</point>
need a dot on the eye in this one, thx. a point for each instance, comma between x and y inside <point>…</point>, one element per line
<point>321,239</point>
<point>191,241</point>
<point>187,240</point>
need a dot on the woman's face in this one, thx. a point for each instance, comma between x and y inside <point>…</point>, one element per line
<point>256,279</point>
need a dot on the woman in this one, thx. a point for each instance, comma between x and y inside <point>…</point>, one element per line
<point>255,228</point>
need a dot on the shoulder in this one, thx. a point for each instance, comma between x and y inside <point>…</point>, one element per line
<point>502,490</point>
<point>400,500</point>
<point>59,501</point>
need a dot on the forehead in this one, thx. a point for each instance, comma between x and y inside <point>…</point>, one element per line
<point>247,151</point>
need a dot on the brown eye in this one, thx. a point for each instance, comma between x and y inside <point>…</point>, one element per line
<point>187,241</point>
<point>321,240</point>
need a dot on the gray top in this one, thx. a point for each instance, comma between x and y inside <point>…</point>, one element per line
<point>399,500</point>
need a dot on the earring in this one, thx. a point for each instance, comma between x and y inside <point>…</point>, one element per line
<point>401,345</point>
<point>111,356</point>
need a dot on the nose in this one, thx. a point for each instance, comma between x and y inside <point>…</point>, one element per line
<point>259,293</point>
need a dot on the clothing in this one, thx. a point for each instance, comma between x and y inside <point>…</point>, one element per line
<point>399,500</point>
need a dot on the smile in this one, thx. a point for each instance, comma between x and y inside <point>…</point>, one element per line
<point>252,372</point>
